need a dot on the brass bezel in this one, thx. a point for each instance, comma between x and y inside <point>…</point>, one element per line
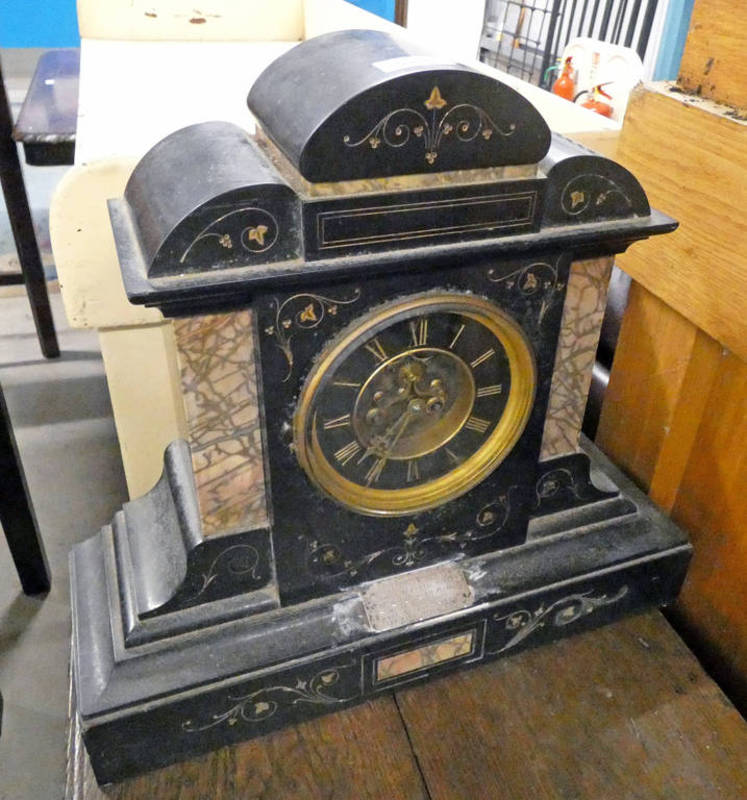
<point>413,499</point>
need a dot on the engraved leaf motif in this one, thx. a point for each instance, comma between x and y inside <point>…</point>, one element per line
<point>435,101</point>
<point>308,314</point>
<point>257,234</point>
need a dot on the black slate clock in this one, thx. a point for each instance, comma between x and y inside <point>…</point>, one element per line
<point>406,234</point>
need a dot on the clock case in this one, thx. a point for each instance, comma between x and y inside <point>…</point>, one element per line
<point>396,176</point>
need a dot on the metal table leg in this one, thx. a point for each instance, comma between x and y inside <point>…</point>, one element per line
<point>22,226</point>
<point>16,514</point>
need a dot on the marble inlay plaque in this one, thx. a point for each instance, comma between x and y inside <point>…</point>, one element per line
<point>419,658</point>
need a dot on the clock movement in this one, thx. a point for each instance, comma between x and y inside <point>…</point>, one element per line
<point>396,284</point>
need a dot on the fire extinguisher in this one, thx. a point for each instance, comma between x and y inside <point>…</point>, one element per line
<point>565,86</point>
<point>594,100</point>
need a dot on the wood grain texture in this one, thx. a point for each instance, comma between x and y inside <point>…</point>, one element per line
<point>714,63</point>
<point>675,418</point>
<point>357,754</point>
<point>651,362</point>
<point>692,403</point>
<point>690,160</point>
<point>711,504</point>
<point>621,712</point>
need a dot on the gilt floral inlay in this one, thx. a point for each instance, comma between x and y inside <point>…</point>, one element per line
<point>415,549</point>
<point>522,623</point>
<point>594,196</point>
<point>265,702</point>
<point>248,229</point>
<point>463,123</point>
<point>237,560</point>
<point>220,396</point>
<point>538,278</point>
<point>302,312</point>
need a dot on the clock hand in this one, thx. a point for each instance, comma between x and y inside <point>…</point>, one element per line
<point>379,442</point>
<point>379,466</point>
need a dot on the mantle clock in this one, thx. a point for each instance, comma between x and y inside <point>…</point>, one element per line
<point>421,266</point>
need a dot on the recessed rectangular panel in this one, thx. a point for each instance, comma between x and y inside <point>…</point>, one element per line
<point>397,219</point>
<point>407,221</point>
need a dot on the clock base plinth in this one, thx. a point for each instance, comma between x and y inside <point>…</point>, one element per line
<point>586,563</point>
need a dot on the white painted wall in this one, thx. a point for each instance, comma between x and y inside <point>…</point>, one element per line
<point>452,27</point>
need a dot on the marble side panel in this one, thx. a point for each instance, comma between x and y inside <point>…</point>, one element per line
<point>585,301</point>
<point>216,356</point>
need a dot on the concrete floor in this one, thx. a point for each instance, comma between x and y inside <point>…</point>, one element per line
<point>63,424</point>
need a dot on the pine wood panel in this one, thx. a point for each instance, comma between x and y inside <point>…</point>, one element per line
<point>675,418</point>
<point>714,63</point>
<point>621,712</point>
<point>711,503</point>
<point>651,362</point>
<point>690,160</point>
<point>692,403</point>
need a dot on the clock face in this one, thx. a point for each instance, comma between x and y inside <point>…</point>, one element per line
<point>414,403</point>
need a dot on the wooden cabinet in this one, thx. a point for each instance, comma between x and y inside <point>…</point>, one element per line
<point>675,415</point>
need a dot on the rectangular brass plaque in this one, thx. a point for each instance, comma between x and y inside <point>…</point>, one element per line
<point>422,594</point>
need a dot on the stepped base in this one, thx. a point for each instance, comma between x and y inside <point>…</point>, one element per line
<point>148,703</point>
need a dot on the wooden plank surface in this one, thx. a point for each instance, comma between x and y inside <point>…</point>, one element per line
<point>705,359</point>
<point>711,504</point>
<point>651,363</point>
<point>622,712</point>
<point>689,157</point>
<point>714,63</point>
<point>675,418</point>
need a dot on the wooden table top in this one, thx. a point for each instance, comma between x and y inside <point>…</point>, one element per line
<point>622,712</point>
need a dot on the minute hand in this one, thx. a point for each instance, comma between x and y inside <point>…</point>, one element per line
<point>378,467</point>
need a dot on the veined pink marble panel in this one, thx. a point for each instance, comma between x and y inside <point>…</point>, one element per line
<point>219,388</point>
<point>585,301</point>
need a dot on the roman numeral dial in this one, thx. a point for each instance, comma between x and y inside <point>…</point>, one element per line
<point>415,404</point>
